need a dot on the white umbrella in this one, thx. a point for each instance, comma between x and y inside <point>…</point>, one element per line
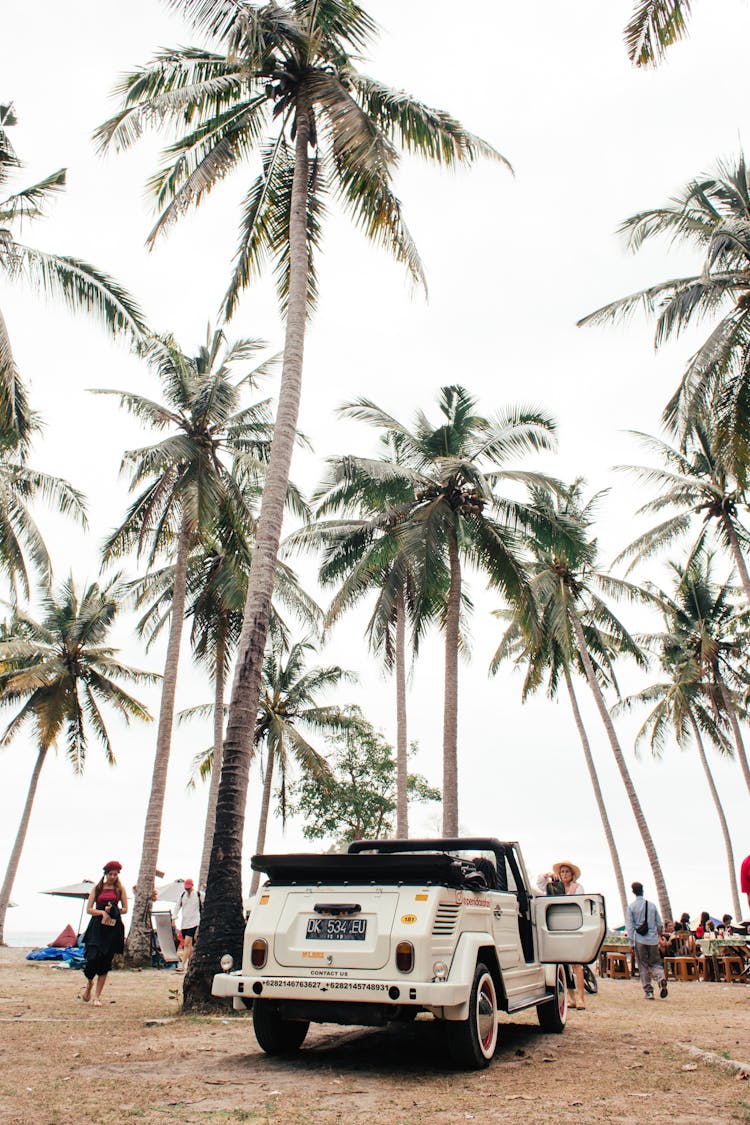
<point>74,890</point>
<point>170,892</point>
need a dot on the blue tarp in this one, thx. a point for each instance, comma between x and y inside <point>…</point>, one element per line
<point>73,955</point>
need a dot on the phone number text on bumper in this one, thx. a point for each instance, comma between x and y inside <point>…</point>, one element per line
<point>323,985</point>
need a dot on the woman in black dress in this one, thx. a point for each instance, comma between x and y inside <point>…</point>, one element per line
<point>105,935</point>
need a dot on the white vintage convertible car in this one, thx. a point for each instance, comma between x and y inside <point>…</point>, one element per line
<point>392,928</point>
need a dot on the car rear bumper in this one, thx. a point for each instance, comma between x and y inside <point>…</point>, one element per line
<point>428,994</point>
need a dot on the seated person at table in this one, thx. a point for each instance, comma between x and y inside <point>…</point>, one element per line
<point>682,942</point>
<point>726,922</point>
<point>701,928</point>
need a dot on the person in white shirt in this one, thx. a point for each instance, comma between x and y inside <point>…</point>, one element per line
<point>189,907</point>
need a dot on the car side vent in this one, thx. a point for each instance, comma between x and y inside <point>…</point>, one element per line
<point>445,919</point>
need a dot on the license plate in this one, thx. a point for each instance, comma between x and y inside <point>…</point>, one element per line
<point>336,929</point>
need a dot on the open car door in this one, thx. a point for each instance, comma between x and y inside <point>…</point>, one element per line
<point>570,929</point>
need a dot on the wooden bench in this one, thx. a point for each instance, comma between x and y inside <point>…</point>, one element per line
<point>682,968</point>
<point>731,968</point>
<point>617,965</point>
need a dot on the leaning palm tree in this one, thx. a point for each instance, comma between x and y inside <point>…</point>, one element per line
<point>681,705</point>
<point>454,517</point>
<point>570,583</point>
<point>283,86</point>
<point>653,27</point>
<point>61,671</point>
<point>712,213</point>
<point>697,489</point>
<point>216,588</point>
<point>80,285</point>
<point>551,652</point>
<point>184,479</point>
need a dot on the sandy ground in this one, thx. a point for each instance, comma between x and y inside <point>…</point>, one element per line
<point>137,1059</point>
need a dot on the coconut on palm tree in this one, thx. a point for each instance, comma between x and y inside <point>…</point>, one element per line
<point>283,86</point>
<point>182,482</point>
<point>62,674</point>
<point>78,284</point>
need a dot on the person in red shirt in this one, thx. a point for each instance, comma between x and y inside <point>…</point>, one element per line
<point>745,878</point>
<point>105,935</point>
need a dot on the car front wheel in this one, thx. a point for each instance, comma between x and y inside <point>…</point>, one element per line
<point>472,1041</point>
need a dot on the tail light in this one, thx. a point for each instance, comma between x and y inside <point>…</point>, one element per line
<point>404,956</point>
<point>259,953</point>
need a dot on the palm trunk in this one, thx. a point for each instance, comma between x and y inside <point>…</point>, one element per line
<point>402,805</point>
<point>738,741</point>
<point>616,867</point>
<point>213,790</point>
<point>739,558</point>
<point>450,704</point>
<point>722,820</point>
<point>263,818</point>
<point>222,920</point>
<point>635,804</point>
<point>15,855</point>
<point>138,946</point>
<point>8,376</point>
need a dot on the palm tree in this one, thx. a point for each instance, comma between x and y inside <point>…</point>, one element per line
<point>682,705</point>
<point>80,285</point>
<point>187,478</point>
<point>62,671</point>
<point>653,27</point>
<point>289,700</point>
<point>22,548</point>
<point>215,596</point>
<point>568,582</point>
<point>453,516</point>
<point>713,213</point>
<point>335,132</point>
<point>713,633</point>
<point>551,651</point>
<point>362,555</point>
<point>696,485</point>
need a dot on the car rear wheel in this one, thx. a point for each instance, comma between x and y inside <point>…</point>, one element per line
<point>275,1035</point>
<point>472,1041</point>
<point>553,1014</point>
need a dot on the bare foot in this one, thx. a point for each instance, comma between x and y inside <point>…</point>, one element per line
<point>86,994</point>
<point>97,1003</point>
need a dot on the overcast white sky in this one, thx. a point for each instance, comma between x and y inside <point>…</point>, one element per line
<point>512,263</point>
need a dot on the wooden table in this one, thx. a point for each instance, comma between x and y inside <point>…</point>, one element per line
<point>713,948</point>
<point>615,947</point>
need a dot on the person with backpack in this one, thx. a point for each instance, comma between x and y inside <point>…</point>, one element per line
<point>643,925</point>
<point>189,907</point>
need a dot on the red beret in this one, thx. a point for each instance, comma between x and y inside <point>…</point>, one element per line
<point>113,865</point>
